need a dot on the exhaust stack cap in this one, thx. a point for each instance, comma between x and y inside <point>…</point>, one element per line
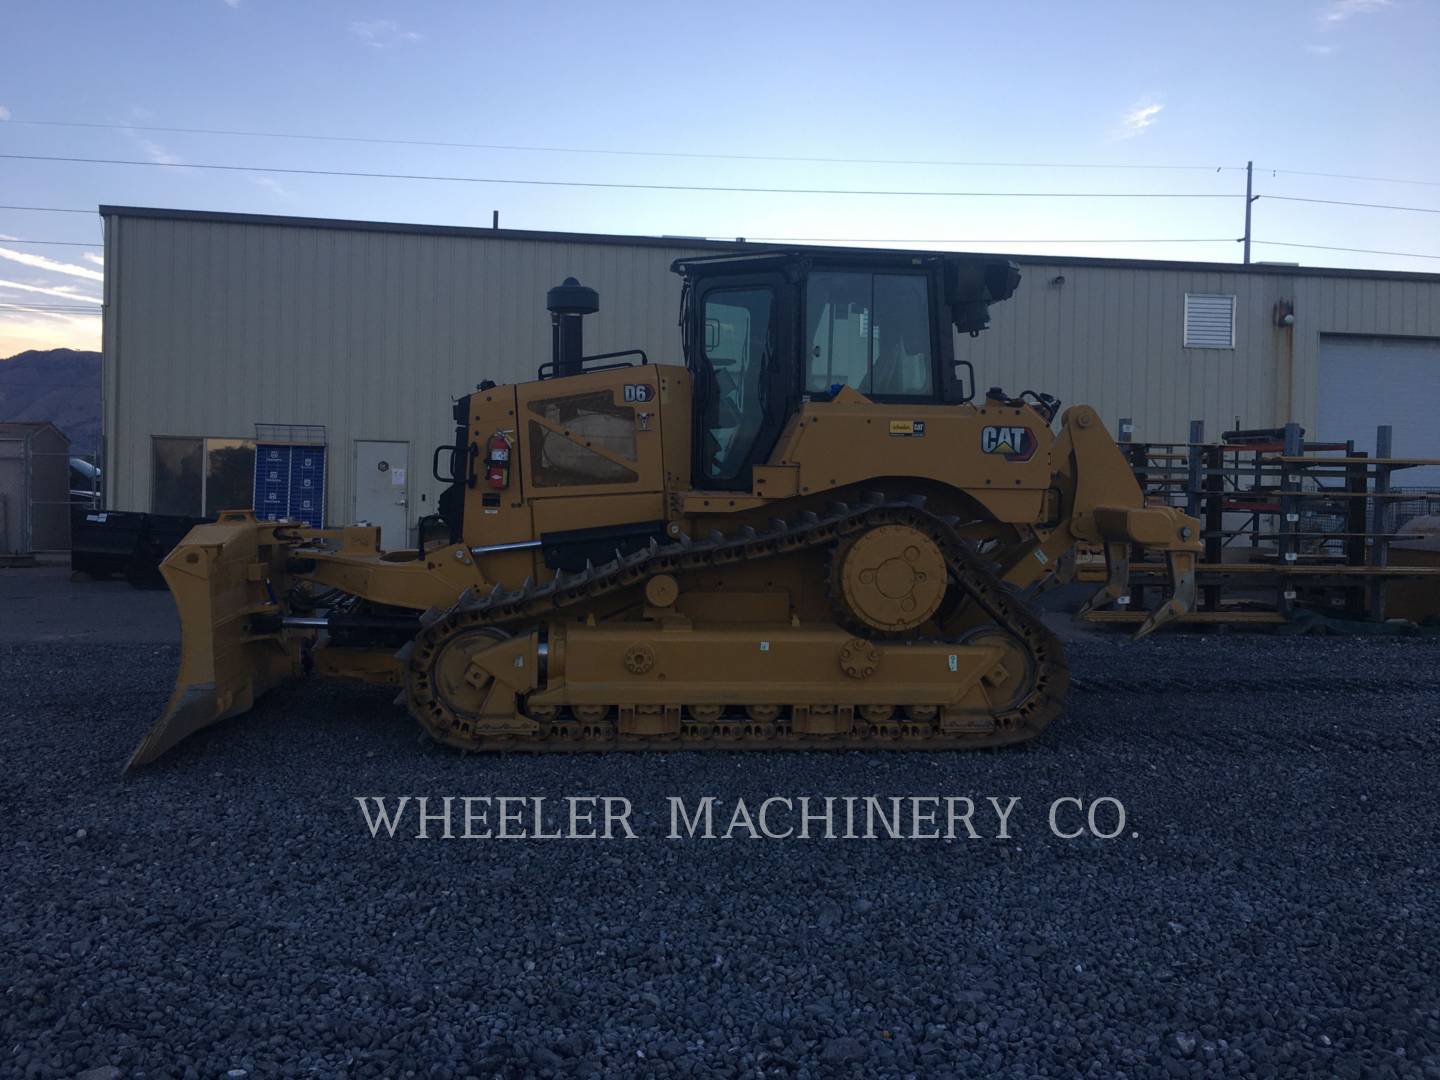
<point>569,303</point>
<point>572,298</point>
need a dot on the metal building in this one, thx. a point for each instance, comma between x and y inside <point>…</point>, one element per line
<point>341,343</point>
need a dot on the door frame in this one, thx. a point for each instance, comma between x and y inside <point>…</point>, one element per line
<point>355,484</point>
<point>781,380</point>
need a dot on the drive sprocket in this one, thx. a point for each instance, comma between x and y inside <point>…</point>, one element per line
<point>888,580</point>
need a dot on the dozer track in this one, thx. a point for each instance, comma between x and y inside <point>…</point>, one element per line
<point>1021,687</point>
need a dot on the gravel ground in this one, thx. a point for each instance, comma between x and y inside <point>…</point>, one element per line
<point>1268,910</point>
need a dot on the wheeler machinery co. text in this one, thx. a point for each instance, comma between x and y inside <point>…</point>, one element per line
<point>776,817</point>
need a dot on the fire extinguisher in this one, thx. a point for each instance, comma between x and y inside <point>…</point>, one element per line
<point>497,461</point>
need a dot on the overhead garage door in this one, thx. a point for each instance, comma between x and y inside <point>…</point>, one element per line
<point>1365,382</point>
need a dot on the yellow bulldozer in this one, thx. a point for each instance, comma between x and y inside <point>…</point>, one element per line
<point>813,534</point>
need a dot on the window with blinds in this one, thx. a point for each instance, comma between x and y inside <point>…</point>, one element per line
<point>1209,321</point>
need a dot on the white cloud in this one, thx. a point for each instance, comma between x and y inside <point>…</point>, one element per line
<point>382,33</point>
<point>25,327</point>
<point>273,186</point>
<point>63,293</point>
<point>232,3</point>
<point>91,257</point>
<point>20,311</point>
<point>1321,50</point>
<point>1141,116</point>
<point>158,153</point>
<point>21,330</point>
<point>40,262</point>
<point>4,113</point>
<point>153,150</point>
<point>1337,11</point>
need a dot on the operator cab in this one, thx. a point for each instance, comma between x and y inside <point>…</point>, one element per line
<point>764,333</point>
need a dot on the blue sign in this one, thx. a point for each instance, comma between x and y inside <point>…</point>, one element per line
<point>290,483</point>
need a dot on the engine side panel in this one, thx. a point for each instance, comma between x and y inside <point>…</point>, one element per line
<point>998,455</point>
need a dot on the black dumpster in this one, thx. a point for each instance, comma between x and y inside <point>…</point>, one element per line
<point>104,542</point>
<point>108,542</point>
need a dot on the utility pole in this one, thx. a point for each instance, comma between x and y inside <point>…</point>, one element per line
<point>1249,199</point>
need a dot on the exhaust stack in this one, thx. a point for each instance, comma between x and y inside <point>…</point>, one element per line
<point>568,304</point>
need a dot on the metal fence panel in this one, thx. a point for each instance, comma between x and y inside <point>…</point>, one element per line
<point>38,490</point>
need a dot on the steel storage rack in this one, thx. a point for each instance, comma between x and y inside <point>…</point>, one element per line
<point>1288,524</point>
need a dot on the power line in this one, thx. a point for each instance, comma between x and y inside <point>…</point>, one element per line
<point>912,240</point>
<point>851,240</point>
<point>50,209</point>
<point>1362,251</point>
<point>56,386</point>
<point>635,187</point>
<point>1107,240</point>
<point>607,151</point>
<point>52,308</point>
<point>981,240</point>
<point>962,240</point>
<point>1344,202</point>
<point>1351,176</point>
<point>618,153</point>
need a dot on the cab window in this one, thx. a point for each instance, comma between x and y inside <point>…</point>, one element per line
<point>870,332</point>
<point>737,350</point>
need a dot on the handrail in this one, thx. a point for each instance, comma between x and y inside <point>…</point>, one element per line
<point>547,369</point>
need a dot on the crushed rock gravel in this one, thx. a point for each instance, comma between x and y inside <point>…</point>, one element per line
<point>1269,910</point>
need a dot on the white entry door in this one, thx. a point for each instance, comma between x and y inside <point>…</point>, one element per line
<point>382,489</point>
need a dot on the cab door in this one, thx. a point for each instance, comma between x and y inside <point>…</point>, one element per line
<point>745,381</point>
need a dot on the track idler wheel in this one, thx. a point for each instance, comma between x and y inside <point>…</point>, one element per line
<point>460,684</point>
<point>888,580</point>
<point>1012,679</point>
<point>464,684</point>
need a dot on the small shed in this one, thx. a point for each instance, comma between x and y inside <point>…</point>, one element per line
<point>34,488</point>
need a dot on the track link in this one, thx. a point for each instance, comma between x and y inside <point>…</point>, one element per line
<point>761,726</point>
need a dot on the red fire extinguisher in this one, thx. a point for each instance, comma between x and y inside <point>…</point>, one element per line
<point>497,461</point>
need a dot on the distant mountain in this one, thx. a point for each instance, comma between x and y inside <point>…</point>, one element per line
<point>58,385</point>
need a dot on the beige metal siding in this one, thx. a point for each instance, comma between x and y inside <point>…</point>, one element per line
<point>1114,338</point>
<point>213,325</point>
<point>1368,308</point>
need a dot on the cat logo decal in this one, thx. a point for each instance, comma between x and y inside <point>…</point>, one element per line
<point>1016,443</point>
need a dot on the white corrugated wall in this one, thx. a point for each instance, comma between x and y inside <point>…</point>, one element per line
<point>213,325</point>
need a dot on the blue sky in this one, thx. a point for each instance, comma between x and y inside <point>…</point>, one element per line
<point>1335,86</point>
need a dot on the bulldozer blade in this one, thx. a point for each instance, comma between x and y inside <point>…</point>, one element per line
<point>225,578</point>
